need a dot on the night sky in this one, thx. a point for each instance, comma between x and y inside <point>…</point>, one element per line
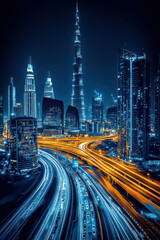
<point>45,31</point>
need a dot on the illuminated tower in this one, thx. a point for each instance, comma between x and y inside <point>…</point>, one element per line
<point>97,107</point>
<point>1,115</point>
<point>48,89</point>
<point>157,102</point>
<point>77,96</point>
<point>11,99</point>
<point>133,105</point>
<point>30,109</point>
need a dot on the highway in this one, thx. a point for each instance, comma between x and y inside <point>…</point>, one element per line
<point>85,202</point>
<point>87,224</point>
<point>54,220</point>
<point>116,224</point>
<point>125,175</point>
<point>11,226</point>
<point>104,215</point>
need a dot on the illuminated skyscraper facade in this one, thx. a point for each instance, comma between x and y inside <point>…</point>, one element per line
<point>77,97</point>
<point>48,89</point>
<point>157,103</point>
<point>1,115</point>
<point>11,99</point>
<point>52,116</point>
<point>133,105</point>
<point>30,108</point>
<point>23,145</point>
<point>18,110</point>
<point>72,118</point>
<point>97,107</point>
<point>112,117</point>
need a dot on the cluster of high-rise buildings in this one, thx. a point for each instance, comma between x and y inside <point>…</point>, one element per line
<point>129,116</point>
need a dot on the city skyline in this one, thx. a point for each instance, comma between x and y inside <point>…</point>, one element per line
<point>80,147</point>
<point>97,28</point>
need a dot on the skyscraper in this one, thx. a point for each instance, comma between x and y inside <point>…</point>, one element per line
<point>133,105</point>
<point>52,116</point>
<point>39,116</point>
<point>11,99</point>
<point>48,89</point>
<point>39,111</point>
<point>157,102</point>
<point>30,109</point>
<point>97,107</point>
<point>23,145</point>
<point>1,115</point>
<point>72,118</point>
<point>77,97</point>
<point>18,110</point>
<point>112,117</point>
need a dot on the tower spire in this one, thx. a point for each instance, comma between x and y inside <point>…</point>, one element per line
<point>76,5</point>
<point>30,104</point>
<point>77,97</point>
<point>11,80</point>
<point>30,62</point>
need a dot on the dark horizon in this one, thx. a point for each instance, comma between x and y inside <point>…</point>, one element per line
<point>45,31</point>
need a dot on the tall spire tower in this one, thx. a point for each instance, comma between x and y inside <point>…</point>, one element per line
<point>30,109</point>
<point>77,97</point>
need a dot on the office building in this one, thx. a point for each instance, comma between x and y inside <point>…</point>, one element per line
<point>1,115</point>
<point>30,107</point>
<point>18,110</point>
<point>157,103</point>
<point>133,105</point>
<point>23,146</point>
<point>11,99</point>
<point>89,112</point>
<point>48,89</point>
<point>89,127</point>
<point>112,117</point>
<point>72,118</point>
<point>52,116</point>
<point>97,107</point>
<point>39,116</point>
<point>77,96</point>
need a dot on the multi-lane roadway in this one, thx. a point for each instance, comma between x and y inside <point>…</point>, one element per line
<point>116,174</point>
<point>52,221</point>
<point>85,202</point>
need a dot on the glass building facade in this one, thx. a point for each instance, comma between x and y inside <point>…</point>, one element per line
<point>52,114</point>
<point>133,105</point>
<point>23,145</point>
<point>157,103</point>
<point>97,107</point>
<point>1,115</point>
<point>112,117</point>
<point>18,110</point>
<point>11,99</point>
<point>72,118</point>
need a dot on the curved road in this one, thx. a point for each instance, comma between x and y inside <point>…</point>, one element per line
<point>53,220</point>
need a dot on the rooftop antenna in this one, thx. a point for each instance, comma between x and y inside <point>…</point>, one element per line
<point>49,74</point>
<point>11,80</point>
<point>76,5</point>
<point>30,60</point>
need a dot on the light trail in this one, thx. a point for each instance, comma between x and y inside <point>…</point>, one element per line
<point>9,228</point>
<point>58,208</point>
<point>145,190</point>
